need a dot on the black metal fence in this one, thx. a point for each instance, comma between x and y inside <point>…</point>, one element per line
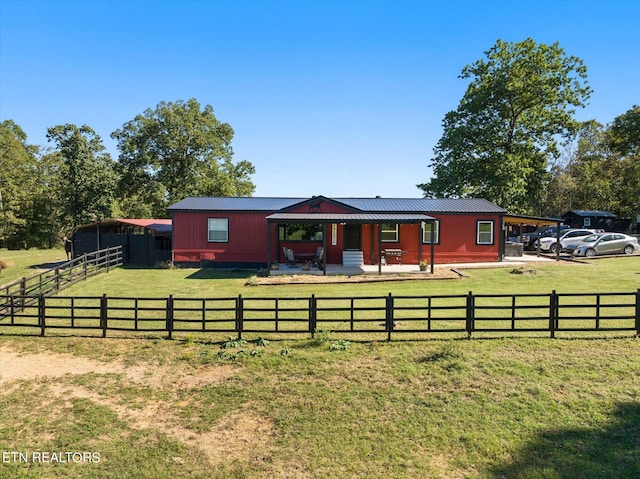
<point>373,316</point>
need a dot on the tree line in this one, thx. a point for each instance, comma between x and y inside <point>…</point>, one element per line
<point>514,139</point>
<point>176,150</point>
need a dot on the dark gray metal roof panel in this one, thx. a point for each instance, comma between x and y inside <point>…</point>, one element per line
<point>233,204</point>
<point>601,214</point>
<point>428,205</point>
<point>379,205</point>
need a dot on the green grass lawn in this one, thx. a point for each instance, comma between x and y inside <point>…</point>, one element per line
<point>24,264</point>
<point>327,407</point>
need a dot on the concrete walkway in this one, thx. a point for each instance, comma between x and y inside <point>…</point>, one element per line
<point>337,269</point>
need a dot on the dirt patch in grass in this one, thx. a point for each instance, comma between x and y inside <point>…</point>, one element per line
<point>238,435</point>
<point>31,366</point>
<point>235,436</point>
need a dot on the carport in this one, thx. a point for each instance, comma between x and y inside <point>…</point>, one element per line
<point>524,220</point>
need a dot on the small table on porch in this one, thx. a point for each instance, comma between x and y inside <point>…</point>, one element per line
<point>393,253</point>
<point>303,257</point>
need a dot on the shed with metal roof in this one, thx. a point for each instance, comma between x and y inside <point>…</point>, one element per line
<point>145,242</point>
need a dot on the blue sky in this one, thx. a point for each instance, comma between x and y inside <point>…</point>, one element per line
<point>334,98</point>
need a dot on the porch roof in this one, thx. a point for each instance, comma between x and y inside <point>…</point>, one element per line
<point>531,220</point>
<point>353,218</point>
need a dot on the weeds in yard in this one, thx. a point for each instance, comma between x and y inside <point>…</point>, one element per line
<point>340,345</point>
<point>233,343</point>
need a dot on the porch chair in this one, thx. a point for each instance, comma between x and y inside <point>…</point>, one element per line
<point>318,260</point>
<point>289,257</point>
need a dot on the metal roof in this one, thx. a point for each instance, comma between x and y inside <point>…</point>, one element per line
<point>349,217</point>
<point>531,220</point>
<point>430,205</point>
<point>158,226</point>
<point>217,203</point>
<point>599,214</point>
<point>379,205</point>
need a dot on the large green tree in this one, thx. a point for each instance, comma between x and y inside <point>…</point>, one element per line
<point>624,140</point>
<point>17,164</point>
<point>177,150</point>
<point>601,171</point>
<point>516,112</point>
<point>88,172</point>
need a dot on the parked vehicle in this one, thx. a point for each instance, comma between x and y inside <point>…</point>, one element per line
<point>604,243</point>
<point>529,239</point>
<point>570,236</point>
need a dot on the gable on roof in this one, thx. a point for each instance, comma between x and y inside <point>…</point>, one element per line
<point>319,204</point>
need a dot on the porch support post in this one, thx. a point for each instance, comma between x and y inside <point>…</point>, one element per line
<point>268,248</point>
<point>420,234</point>
<point>433,246</point>
<point>380,248</point>
<point>324,246</point>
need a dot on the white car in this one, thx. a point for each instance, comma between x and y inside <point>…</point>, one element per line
<point>550,243</point>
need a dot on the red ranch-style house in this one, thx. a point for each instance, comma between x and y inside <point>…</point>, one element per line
<point>254,232</point>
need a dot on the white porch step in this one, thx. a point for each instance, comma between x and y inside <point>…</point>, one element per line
<point>352,258</point>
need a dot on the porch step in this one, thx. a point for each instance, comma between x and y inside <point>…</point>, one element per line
<point>352,258</point>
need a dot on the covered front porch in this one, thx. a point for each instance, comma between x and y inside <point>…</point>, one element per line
<point>408,269</point>
<point>329,223</point>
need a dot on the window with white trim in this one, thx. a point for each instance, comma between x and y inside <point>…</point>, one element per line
<point>218,230</point>
<point>389,233</point>
<point>484,233</point>
<point>426,232</point>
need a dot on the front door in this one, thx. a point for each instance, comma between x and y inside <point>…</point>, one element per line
<point>352,237</point>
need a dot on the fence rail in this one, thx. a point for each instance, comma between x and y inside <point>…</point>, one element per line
<point>24,292</point>
<point>389,315</point>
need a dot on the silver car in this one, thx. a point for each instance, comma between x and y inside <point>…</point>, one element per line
<point>604,243</point>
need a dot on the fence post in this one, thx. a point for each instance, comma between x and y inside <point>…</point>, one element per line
<point>170,316</point>
<point>239,315</point>
<point>42,313</point>
<point>638,313</point>
<point>389,315</point>
<point>553,313</point>
<point>57,279</point>
<point>470,319</point>
<point>103,315</point>
<point>23,290</point>
<point>313,314</point>
<point>84,265</point>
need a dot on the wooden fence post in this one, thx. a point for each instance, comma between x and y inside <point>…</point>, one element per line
<point>313,314</point>
<point>470,317</point>
<point>638,313</point>
<point>389,315</point>
<point>239,315</point>
<point>170,316</point>
<point>103,315</point>
<point>42,313</point>
<point>23,290</point>
<point>553,313</point>
<point>57,279</point>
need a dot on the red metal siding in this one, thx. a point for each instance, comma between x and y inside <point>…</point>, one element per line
<point>248,240</point>
<point>457,242</point>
